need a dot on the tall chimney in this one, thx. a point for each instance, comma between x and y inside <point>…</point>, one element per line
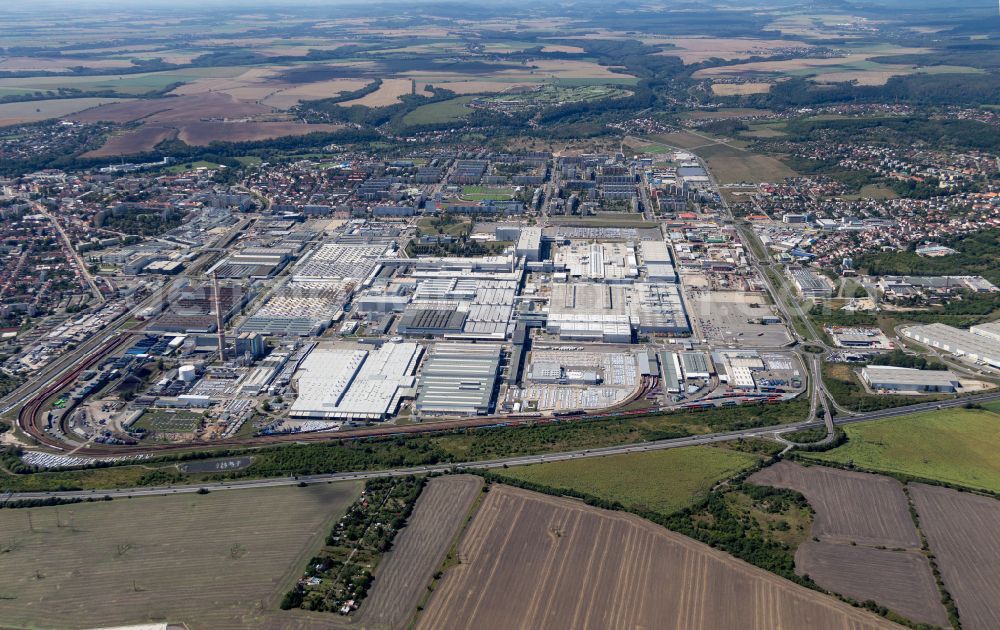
<point>218,317</point>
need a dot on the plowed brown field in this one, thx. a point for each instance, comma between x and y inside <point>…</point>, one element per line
<point>144,138</point>
<point>212,105</point>
<point>900,580</point>
<point>200,134</point>
<point>535,561</point>
<point>403,575</point>
<point>850,506</point>
<point>962,531</point>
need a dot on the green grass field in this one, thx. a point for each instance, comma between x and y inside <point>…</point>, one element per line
<point>441,112</point>
<point>661,481</point>
<point>954,446</point>
<point>483,193</point>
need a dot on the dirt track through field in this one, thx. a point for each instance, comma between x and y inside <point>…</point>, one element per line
<point>535,561</point>
<point>850,506</point>
<point>962,531</point>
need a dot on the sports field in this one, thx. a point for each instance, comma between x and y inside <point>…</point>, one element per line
<point>218,560</point>
<point>483,193</point>
<point>954,446</point>
<point>661,481</point>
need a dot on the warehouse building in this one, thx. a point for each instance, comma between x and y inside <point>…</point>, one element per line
<point>590,312</point>
<point>670,372</point>
<point>899,379</point>
<point>431,321</point>
<point>696,365</point>
<point>966,345</point>
<point>989,331</point>
<point>660,309</point>
<point>459,379</point>
<point>811,285</point>
<point>354,384</point>
<point>529,244</point>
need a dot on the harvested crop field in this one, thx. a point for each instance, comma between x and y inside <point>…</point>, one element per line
<point>404,573</point>
<point>961,530</point>
<point>899,580</point>
<point>740,89</point>
<point>387,94</point>
<point>475,87</point>
<point>850,506</point>
<point>559,48</point>
<point>57,64</point>
<point>536,561</point>
<point>288,97</point>
<point>143,139</point>
<point>173,109</point>
<point>698,49</point>
<point>730,165</point>
<point>218,560</point>
<point>683,140</point>
<point>33,111</point>
<point>204,133</point>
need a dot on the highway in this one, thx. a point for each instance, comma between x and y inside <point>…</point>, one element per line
<point>524,460</point>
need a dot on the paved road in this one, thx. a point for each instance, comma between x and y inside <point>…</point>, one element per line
<point>640,447</point>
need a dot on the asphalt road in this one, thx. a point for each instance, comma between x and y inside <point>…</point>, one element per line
<point>640,447</point>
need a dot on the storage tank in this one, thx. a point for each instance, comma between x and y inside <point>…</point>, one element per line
<point>187,373</point>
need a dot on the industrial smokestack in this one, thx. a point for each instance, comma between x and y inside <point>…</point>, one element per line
<point>218,317</point>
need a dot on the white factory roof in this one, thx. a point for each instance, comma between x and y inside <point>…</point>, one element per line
<point>887,374</point>
<point>977,347</point>
<point>341,383</point>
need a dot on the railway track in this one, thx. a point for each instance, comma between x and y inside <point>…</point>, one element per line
<point>29,418</point>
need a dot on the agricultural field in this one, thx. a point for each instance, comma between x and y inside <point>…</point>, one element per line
<point>856,65</point>
<point>640,480</point>
<point>388,93</point>
<point>143,139</point>
<point>219,560</point>
<point>740,89</point>
<point>200,134</point>
<point>850,506</point>
<point>730,164</point>
<point>440,112</point>
<point>288,97</point>
<point>698,49</point>
<point>33,111</point>
<point>899,580</point>
<point>961,531</point>
<point>571,565</point>
<point>418,551</point>
<point>197,120</point>
<point>683,140</point>
<point>552,95</point>
<point>956,446</point>
<point>864,542</point>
